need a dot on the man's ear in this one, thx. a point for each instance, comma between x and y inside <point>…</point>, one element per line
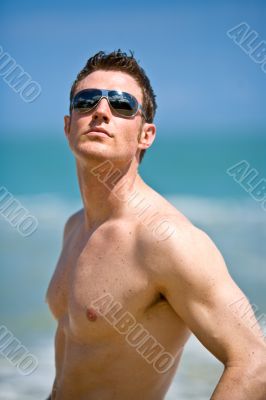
<point>67,122</point>
<point>146,136</point>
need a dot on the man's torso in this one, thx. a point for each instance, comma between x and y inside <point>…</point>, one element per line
<point>94,360</point>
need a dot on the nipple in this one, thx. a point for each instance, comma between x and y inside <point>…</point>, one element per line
<point>91,314</point>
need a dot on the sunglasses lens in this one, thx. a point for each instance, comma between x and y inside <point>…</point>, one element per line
<point>123,103</point>
<point>86,100</point>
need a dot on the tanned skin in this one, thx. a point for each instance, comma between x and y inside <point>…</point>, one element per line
<point>174,284</point>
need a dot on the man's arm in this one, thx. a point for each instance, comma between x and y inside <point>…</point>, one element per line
<point>70,225</point>
<point>197,284</point>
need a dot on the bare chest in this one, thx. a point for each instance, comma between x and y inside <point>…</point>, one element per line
<point>95,284</point>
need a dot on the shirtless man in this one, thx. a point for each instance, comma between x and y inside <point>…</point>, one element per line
<point>131,253</point>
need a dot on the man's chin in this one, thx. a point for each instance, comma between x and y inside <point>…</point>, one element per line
<point>91,153</point>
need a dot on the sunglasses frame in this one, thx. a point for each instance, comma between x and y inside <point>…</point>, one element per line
<point>105,95</point>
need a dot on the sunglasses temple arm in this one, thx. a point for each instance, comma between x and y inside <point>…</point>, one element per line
<point>143,113</point>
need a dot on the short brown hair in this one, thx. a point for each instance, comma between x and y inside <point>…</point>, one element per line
<point>120,61</point>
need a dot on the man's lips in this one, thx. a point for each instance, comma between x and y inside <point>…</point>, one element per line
<point>98,131</point>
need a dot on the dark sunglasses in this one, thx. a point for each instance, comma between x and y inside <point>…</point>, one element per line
<point>122,103</point>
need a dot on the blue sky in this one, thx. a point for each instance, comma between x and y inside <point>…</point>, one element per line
<point>202,79</point>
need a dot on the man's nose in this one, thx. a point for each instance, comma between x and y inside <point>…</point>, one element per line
<point>102,110</point>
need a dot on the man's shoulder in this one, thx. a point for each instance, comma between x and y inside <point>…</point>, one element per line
<point>72,222</point>
<point>174,243</point>
<point>159,220</point>
<point>166,229</point>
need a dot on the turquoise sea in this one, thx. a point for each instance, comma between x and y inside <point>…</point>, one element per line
<point>190,171</point>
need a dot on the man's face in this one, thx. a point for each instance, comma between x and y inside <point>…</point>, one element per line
<point>126,135</point>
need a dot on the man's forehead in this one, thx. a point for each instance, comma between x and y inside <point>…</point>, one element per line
<point>113,80</point>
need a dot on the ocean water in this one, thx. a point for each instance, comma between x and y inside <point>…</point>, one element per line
<point>41,175</point>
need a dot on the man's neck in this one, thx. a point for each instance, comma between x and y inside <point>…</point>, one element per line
<point>105,190</point>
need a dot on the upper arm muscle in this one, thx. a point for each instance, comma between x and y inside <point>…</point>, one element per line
<point>200,289</point>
